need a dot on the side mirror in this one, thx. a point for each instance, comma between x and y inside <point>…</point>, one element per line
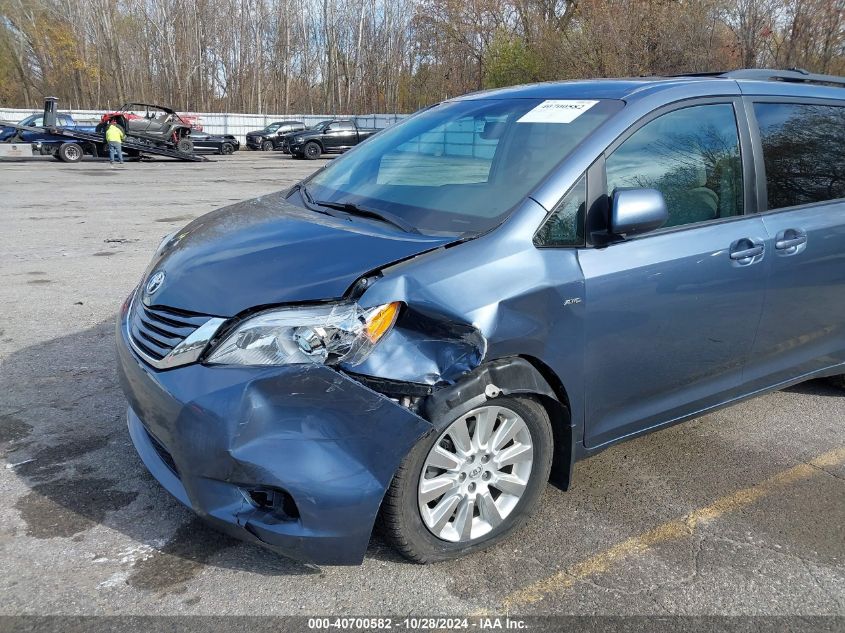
<point>635,211</point>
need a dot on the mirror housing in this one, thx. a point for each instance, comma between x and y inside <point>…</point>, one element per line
<point>636,211</point>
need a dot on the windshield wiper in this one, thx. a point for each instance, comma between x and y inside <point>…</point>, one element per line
<point>384,216</point>
<point>305,193</point>
<point>308,200</point>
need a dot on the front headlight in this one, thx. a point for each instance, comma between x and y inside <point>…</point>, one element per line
<point>298,139</point>
<point>327,334</point>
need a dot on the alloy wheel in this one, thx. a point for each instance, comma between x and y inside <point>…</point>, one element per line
<point>475,474</point>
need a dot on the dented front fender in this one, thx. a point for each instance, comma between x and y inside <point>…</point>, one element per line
<point>212,434</point>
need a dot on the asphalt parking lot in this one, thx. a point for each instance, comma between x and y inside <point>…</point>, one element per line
<point>738,512</point>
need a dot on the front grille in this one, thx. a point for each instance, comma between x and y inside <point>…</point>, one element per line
<point>157,330</point>
<point>162,452</point>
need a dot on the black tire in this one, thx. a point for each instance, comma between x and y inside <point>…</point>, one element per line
<point>226,149</point>
<point>70,153</point>
<point>185,145</point>
<point>312,150</point>
<point>267,146</point>
<point>400,520</point>
<point>838,381</point>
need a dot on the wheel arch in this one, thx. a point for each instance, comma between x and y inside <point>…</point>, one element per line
<point>515,375</point>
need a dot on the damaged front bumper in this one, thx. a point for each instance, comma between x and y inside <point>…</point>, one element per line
<point>295,458</point>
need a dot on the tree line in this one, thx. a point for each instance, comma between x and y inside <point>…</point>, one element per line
<point>362,56</point>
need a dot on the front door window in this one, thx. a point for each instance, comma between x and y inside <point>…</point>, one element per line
<point>691,156</point>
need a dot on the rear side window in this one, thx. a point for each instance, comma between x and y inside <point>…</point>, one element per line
<point>691,156</point>
<point>804,152</point>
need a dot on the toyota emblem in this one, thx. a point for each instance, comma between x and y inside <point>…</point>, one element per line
<point>155,282</point>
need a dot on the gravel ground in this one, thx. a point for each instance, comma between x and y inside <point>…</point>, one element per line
<point>738,512</point>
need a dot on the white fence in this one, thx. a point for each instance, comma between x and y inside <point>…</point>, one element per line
<point>84,117</point>
<point>235,124</point>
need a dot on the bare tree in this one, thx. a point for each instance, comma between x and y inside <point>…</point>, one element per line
<point>373,55</point>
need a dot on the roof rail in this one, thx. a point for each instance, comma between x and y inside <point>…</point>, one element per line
<point>793,75</point>
<point>706,73</point>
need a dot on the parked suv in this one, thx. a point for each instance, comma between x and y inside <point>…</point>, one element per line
<point>432,326</point>
<point>266,138</point>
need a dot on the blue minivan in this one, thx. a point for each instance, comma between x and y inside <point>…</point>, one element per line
<point>431,327</point>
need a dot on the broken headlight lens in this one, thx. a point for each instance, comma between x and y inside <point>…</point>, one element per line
<point>328,334</point>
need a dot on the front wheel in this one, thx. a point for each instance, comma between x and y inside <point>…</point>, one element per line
<point>226,149</point>
<point>185,145</point>
<point>267,146</point>
<point>472,485</point>
<point>312,151</point>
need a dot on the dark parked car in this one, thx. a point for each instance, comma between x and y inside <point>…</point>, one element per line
<point>218,143</point>
<point>328,137</point>
<point>434,325</point>
<point>266,138</point>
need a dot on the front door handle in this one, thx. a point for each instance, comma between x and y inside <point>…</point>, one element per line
<point>747,253</point>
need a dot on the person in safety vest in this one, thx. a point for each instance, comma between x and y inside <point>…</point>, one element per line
<point>114,137</point>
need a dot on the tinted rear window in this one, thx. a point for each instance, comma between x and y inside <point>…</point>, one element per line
<point>804,152</point>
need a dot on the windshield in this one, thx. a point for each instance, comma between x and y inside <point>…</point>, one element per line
<point>460,167</point>
<point>272,127</point>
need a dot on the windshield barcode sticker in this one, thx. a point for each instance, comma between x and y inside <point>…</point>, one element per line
<point>557,111</point>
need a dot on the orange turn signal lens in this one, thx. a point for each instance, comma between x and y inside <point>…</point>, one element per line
<point>381,320</point>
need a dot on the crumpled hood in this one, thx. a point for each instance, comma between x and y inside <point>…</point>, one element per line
<point>267,251</point>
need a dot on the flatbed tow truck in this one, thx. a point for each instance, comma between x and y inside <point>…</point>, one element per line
<point>69,144</point>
